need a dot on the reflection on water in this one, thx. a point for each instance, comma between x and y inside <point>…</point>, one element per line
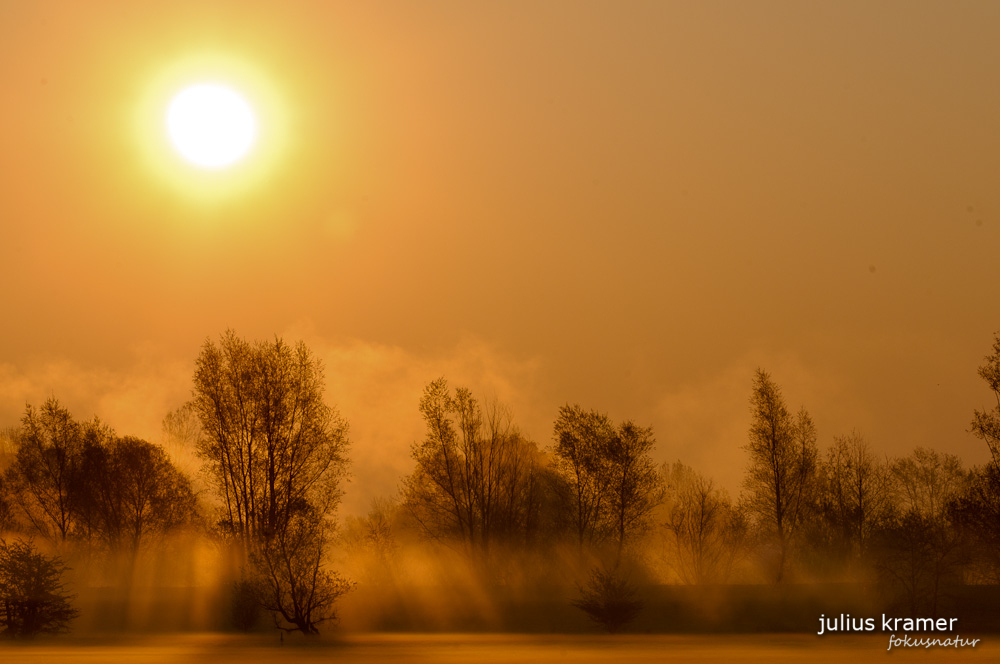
<point>480,649</point>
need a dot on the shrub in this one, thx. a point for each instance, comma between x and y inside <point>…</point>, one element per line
<point>609,600</point>
<point>32,597</point>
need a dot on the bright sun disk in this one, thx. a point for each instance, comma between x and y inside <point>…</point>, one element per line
<point>210,125</point>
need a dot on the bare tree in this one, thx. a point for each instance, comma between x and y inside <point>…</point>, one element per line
<point>927,481</point>
<point>40,478</point>
<point>921,552</point>
<point>856,494</point>
<point>9,442</point>
<point>979,508</point>
<point>277,456</point>
<point>634,487</point>
<point>182,438</point>
<point>290,579</point>
<point>476,475</point>
<point>271,443</point>
<point>986,423</point>
<point>707,534</point>
<point>128,493</point>
<point>781,477</point>
<point>614,481</point>
<point>580,437</point>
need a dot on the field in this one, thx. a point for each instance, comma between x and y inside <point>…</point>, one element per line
<point>485,649</point>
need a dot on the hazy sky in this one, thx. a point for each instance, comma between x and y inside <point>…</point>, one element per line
<point>625,205</point>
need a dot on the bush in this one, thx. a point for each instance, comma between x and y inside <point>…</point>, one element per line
<point>32,597</point>
<point>609,600</point>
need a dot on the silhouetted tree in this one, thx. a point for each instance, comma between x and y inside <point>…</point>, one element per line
<point>707,534</point>
<point>979,509</point>
<point>128,492</point>
<point>613,480</point>
<point>634,487</point>
<point>6,510</point>
<point>581,437</point>
<point>855,492</point>
<point>781,477</point>
<point>40,478</point>
<point>290,579</point>
<point>986,423</point>
<point>920,553</point>
<point>276,453</point>
<point>476,475</point>
<point>271,444</point>
<point>32,596</point>
<point>9,442</point>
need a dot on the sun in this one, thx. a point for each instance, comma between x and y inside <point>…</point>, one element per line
<point>211,125</point>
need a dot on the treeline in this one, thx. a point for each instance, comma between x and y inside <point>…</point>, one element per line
<point>915,527</point>
<point>591,506</point>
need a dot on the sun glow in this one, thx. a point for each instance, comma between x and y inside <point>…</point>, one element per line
<point>211,125</point>
<point>214,127</point>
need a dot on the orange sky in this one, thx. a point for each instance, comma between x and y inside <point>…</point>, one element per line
<point>626,205</point>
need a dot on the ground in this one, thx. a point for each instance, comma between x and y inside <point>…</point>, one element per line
<point>484,649</point>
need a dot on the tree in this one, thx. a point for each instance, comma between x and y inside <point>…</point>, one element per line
<point>986,423</point>
<point>580,438</point>
<point>271,444</point>
<point>927,481</point>
<point>290,579</point>
<point>920,551</point>
<point>128,492</point>
<point>9,442</point>
<point>476,475</point>
<point>614,482</point>
<point>32,596</point>
<point>781,475</point>
<point>44,469</point>
<point>633,483</point>
<point>707,534</point>
<point>980,508</point>
<point>277,457</point>
<point>976,511</point>
<point>182,435</point>
<point>856,491</point>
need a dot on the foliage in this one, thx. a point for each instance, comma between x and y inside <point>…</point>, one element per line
<point>32,594</point>
<point>609,599</point>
